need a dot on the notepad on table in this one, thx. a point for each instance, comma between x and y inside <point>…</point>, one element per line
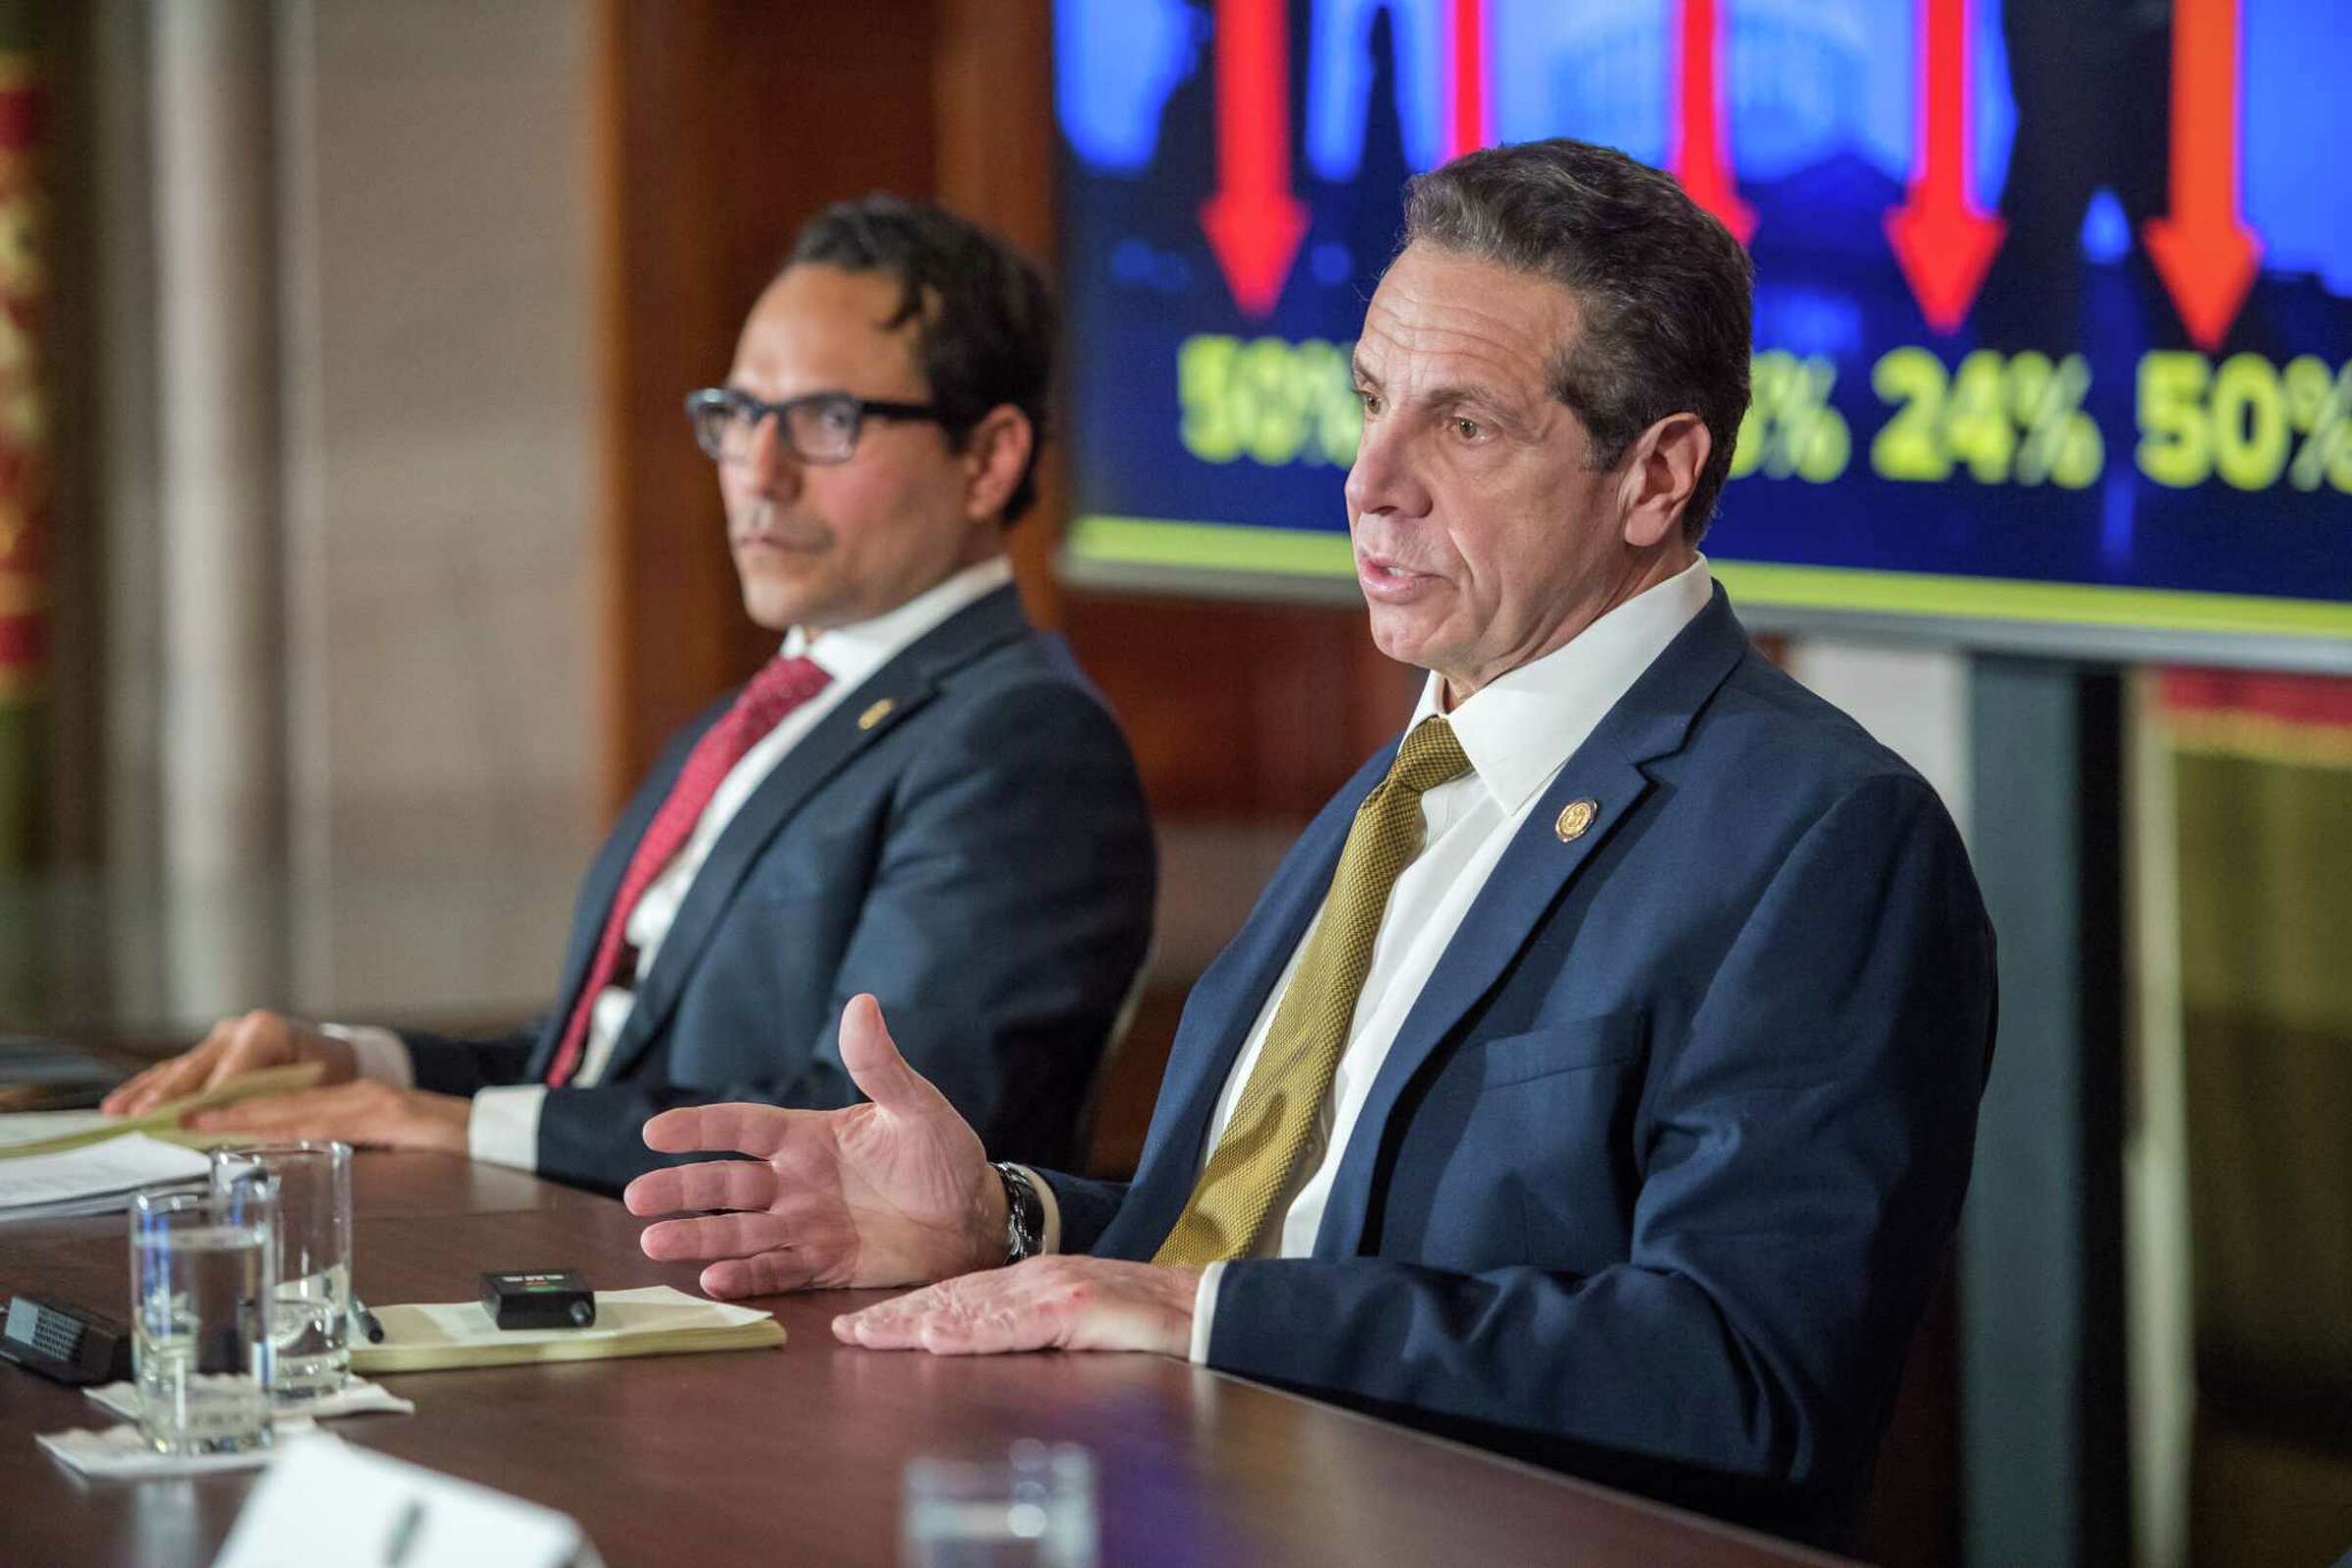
<point>654,1320</point>
<point>98,1179</point>
<point>25,1134</point>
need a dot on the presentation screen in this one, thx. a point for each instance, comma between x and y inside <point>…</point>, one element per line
<point>2053,331</point>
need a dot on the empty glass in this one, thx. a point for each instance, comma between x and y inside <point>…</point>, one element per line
<point>309,1316</point>
<point>1034,1507</point>
<point>202,1269</point>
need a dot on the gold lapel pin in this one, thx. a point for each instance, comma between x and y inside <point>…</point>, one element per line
<point>876,714</point>
<point>1575,818</point>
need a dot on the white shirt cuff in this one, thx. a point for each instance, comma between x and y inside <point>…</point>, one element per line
<point>503,1128</point>
<point>381,1056</point>
<point>1049,1232</point>
<point>1204,1311</point>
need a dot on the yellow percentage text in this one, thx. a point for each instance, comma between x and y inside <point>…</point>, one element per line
<point>1789,429</point>
<point>2001,418</point>
<point>2245,421</point>
<point>1268,399</point>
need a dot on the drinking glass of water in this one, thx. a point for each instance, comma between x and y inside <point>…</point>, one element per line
<point>1030,1507</point>
<point>310,1327</point>
<point>202,1268</point>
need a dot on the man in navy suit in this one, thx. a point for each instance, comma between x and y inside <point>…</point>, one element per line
<point>1596,1079</point>
<point>920,796</point>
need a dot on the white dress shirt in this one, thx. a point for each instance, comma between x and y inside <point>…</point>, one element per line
<point>504,1125</point>
<point>1518,731</point>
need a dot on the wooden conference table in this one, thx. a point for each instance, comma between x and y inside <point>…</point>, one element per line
<point>794,1456</point>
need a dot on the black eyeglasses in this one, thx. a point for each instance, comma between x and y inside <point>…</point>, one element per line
<point>820,427</point>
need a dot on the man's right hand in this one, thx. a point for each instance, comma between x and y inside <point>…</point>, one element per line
<point>894,1192</point>
<point>235,1046</point>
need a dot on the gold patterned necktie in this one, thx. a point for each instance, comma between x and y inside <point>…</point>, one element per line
<point>1274,1124</point>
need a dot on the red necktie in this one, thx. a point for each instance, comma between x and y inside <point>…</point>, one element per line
<point>782,685</point>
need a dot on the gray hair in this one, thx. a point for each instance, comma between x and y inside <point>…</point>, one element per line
<point>1663,289</point>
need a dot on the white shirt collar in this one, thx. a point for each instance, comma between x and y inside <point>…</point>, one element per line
<point>1520,727</point>
<point>849,653</point>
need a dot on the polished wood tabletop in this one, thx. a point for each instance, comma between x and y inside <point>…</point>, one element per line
<point>794,1456</point>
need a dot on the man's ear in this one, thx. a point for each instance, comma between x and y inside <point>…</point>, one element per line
<point>1661,472</point>
<point>996,453</point>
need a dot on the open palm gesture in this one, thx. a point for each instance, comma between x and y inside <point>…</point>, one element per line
<point>894,1192</point>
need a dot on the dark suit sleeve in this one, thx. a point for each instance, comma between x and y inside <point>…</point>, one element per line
<point>1801,1158</point>
<point>1086,1209</point>
<point>1007,917</point>
<point>451,1066</point>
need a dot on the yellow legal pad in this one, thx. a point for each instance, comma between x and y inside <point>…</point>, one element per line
<point>654,1320</point>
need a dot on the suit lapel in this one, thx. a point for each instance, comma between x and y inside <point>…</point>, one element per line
<point>1651,721</point>
<point>602,881</point>
<point>1524,884</point>
<point>860,719</point>
<point>1218,1017</point>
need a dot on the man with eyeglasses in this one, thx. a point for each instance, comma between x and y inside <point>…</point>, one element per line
<point>918,797</point>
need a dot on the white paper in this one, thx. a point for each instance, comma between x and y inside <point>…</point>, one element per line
<point>32,1126</point>
<point>96,1178</point>
<point>357,1397</point>
<point>361,1506</point>
<point>121,1451</point>
<point>648,1309</point>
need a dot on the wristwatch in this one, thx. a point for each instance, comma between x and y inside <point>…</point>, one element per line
<point>1024,1213</point>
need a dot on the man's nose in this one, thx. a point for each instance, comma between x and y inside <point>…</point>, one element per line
<point>1384,477</point>
<point>769,462</point>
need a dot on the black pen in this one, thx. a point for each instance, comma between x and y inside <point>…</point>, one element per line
<point>367,1321</point>
<point>405,1526</point>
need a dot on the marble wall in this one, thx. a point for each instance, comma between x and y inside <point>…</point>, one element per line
<point>420,183</point>
<point>441,636</point>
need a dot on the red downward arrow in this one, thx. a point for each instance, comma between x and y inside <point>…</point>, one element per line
<point>1252,221</point>
<point>2203,251</point>
<point>1941,238</point>
<point>1466,126</point>
<point>1703,159</point>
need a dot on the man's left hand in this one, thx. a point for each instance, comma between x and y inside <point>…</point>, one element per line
<point>367,1114</point>
<point>1045,1303</point>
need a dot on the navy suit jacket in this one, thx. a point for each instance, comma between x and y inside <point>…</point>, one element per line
<point>1656,1177</point>
<point>963,835</point>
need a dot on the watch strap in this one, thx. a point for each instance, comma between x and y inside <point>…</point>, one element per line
<point>1024,1213</point>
